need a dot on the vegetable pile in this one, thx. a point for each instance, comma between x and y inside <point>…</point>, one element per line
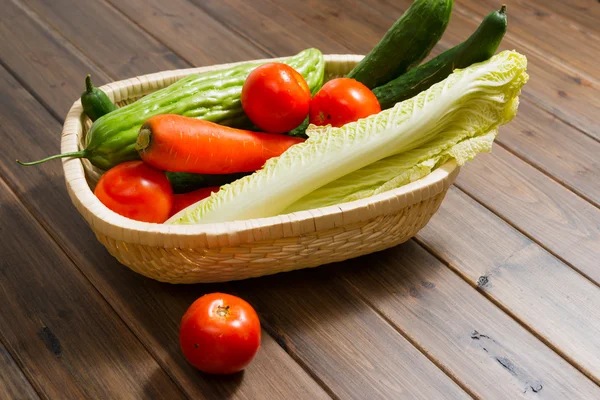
<point>262,139</point>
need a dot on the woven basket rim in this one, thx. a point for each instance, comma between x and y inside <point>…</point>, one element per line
<point>105,221</point>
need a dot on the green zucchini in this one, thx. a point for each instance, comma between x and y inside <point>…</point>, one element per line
<point>95,102</point>
<point>405,44</point>
<point>212,96</point>
<point>183,182</point>
<point>480,46</point>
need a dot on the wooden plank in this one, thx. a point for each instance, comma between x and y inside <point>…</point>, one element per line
<point>342,340</point>
<point>538,30</point>
<point>43,60</point>
<point>189,31</point>
<point>69,341</point>
<point>107,37</point>
<point>558,219</point>
<point>551,299</point>
<point>268,26</point>
<point>13,384</point>
<point>472,339</point>
<point>585,13</point>
<point>152,310</point>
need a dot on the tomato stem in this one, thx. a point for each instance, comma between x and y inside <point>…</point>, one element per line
<point>223,311</point>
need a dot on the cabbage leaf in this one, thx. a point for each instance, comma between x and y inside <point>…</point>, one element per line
<point>471,101</point>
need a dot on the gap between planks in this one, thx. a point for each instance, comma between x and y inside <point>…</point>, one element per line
<point>409,339</point>
<point>524,233</point>
<point>19,365</point>
<point>294,356</point>
<point>554,178</point>
<point>507,311</point>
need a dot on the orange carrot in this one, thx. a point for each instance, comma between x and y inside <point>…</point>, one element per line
<point>181,201</point>
<point>182,144</point>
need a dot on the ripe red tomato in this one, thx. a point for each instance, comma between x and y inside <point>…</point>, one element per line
<point>137,191</point>
<point>276,97</point>
<point>220,334</point>
<point>183,200</point>
<point>341,101</point>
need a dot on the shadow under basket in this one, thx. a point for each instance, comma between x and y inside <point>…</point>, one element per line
<point>243,249</point>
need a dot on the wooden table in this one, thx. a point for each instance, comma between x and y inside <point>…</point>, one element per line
<point>498,297</point>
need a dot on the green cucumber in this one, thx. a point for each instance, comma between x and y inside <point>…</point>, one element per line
<point>183,182</point>
<point>212,96</point>
<point>95,102</point>
<point>480,46</point>
<point>405,44</point>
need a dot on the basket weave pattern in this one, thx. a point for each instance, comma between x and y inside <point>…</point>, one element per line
<point>244,249</point>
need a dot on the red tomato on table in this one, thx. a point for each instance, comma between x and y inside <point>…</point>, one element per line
<point>220,334</point>
<point>137,191</point>
<point>276,98</point>
<point>341,101</point>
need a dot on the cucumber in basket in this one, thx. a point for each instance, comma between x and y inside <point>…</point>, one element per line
<point>480,46</point>
<point>184,182</point>
<point>405,44</point>
<point>212,96</point>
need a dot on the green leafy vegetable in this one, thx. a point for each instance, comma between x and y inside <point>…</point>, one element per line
<point>476,99</point>
<point>393,172</point>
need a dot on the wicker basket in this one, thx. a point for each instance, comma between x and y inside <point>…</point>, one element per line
<point>244,249</point>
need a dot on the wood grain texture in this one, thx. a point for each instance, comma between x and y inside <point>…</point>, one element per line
<point>556,148</point>
<point>558,219</point>
<point>70,343</point>
<point>13,384</point>
<point>268,26</point>
<point>538,30</point>
<point>342,340</point>
<point>43,60</point>
<point>356,25</point>
<point>585,13</point>
<point>472,339</point>
<point>550,298</point>
<point>152,310</point>
<point>107,37</point>
<point>189,31</point>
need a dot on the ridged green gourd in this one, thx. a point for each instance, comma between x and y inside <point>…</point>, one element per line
<point>212,96</point>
